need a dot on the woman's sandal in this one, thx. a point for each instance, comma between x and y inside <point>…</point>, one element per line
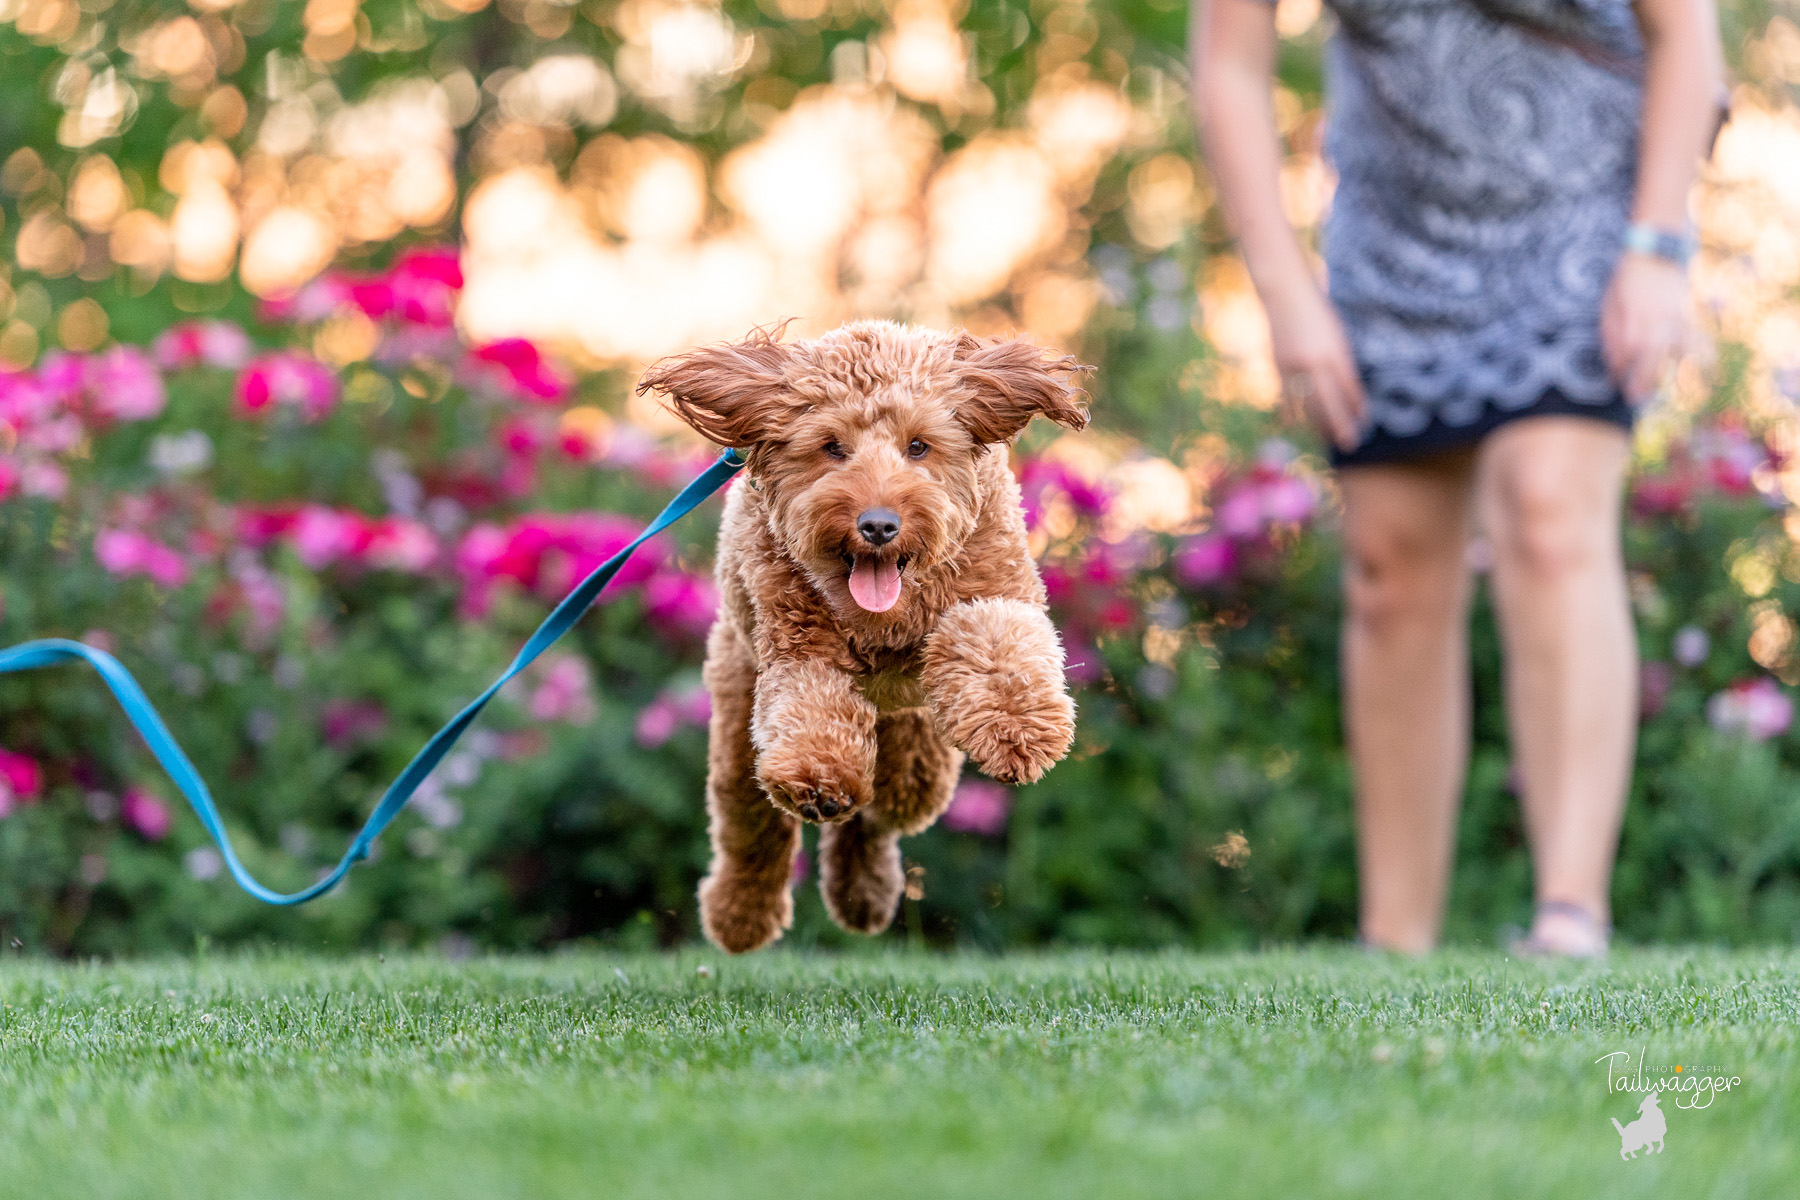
<point>1573,932</point>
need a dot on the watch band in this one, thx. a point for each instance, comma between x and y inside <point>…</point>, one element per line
<point>1677,248</point>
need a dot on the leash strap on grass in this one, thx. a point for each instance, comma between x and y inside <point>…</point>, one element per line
<point>28,656</point>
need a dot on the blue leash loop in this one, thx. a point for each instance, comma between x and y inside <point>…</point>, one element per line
<point>28,656</point>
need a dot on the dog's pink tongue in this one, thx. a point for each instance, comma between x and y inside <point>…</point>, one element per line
<point>875,585</point>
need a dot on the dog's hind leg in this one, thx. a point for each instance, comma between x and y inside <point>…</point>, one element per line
<point>859,859</point>
<point>744,900</point>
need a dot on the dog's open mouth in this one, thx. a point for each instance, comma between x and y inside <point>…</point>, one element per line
<point>875,582</point>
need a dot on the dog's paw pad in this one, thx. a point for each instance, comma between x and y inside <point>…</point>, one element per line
<point>815,803</point>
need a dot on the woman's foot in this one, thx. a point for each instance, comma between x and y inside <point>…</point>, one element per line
<point>1561,929</point>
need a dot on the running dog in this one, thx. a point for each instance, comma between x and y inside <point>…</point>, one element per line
<point>880,613</point>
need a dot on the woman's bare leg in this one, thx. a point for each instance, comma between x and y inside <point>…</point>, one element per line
<point>1406,686</point>
<point>1550,492</point>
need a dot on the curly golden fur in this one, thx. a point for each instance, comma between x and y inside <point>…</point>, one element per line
<point>880,612</point>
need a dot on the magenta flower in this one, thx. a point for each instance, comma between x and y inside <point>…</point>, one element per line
<point>202,343</point>
<point>125,552</point>
<point>288,377</point>
<point>1206,561</point>
<point>424,283</point>
<point>681,603</point>
<point>979,806</point>
<point>348,722</point>
<point>20,781</point>
<point>1757,709</point>
<point>146,814</point>
<point>520,370</point>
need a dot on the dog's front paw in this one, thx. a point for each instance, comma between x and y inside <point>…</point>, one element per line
<point>994,672</point>
<point>1017,741</point>
<point>814,787</point>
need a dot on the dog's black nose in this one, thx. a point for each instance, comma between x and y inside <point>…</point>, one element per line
<point>878,526</point>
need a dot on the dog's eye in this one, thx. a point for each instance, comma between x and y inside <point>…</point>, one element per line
<point>836,450</point>
<point>917,449</point>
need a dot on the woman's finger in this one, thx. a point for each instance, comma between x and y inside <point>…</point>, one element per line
<point>1334,408</point>
<point>1350,385</point>
<point>1612,339</point>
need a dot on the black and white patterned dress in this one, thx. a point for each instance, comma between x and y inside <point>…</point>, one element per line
<point>1486,153</point>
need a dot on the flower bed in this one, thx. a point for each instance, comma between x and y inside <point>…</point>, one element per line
<point>312,564</point>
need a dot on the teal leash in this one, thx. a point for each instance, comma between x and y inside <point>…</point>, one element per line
<point>29,656</point>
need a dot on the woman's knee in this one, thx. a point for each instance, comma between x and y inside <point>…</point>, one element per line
<point>1398,575</point>
<point>1551,518</point>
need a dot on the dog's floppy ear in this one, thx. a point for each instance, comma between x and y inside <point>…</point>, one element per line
<point>1009,381</point>
<point>731,393</point>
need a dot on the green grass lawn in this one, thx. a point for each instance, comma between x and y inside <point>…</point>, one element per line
<point>1305,1073</point>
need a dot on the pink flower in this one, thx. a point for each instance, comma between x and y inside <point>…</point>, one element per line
<point>671,711</point>
<point>1289,500</point>
<point>802,866</point>
<point>126,552</point>
<point>313,302</point>
<point>24,400</point>
<point>347,722</point>
<point>288,377</point>
<point>264,601</point>
<point>123,385</point>
<point>565,691</point>
<point>680,603</point>
<point>46,479</point>
<point>979,806</point>
<point>1206,561</point>
<point>1241,515</point>
<point>119,384</point>
<point>1730,458</point>
<point>401,544</point>
<point>1654,681</point>
<point>195,343</point>
<point>518,366</point>
<point>1757,709</point>
<point>20,781</point>
<point>324,535</point>
<point>146,814</point>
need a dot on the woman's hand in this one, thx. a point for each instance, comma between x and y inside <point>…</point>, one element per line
<point>1318,371</point>
<point>1643,322</point>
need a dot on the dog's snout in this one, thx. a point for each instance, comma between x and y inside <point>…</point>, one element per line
<point>878,526</point>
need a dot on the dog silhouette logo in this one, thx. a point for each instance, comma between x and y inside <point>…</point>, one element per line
<point>1645,1133</point>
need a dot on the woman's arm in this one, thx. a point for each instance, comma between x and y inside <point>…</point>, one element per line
<point>1232,54</point>
<point>1645,317</point>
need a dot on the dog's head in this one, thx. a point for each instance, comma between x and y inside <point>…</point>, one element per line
<point>865,442</point>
